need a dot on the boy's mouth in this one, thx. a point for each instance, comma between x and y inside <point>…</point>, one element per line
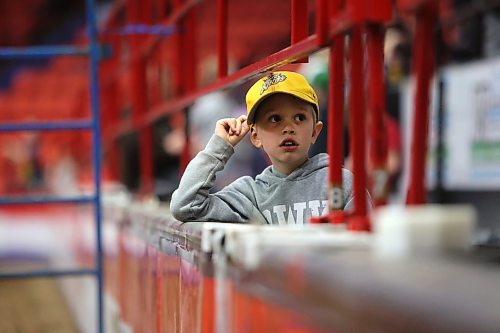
<point>289,144</point>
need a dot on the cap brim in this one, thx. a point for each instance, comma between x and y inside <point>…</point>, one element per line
<point>251,114</point>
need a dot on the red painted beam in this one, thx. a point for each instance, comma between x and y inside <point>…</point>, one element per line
<point>278,59</point>
<point>377,114</point>
<point>357,128</point>
<point>424,64</point>
<point>336,124</point>
<point>299,23</point>
<point>221,38</point>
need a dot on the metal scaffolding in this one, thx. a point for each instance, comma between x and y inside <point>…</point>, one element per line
<point>93,52</point>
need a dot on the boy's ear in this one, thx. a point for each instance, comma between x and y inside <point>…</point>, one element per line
<point>317,129</point>
<point>255,138</point>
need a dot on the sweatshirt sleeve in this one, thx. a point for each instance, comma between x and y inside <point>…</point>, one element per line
<point>192,201</point>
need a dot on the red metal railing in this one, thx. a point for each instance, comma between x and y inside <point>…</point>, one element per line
<point>362,20</point>
<point>149,77</point>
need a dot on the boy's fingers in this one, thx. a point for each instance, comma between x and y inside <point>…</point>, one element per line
<point>235,126</point>
<point>228,125</point>
<point>244,127</point>
<point>238,126</point>
<point>241,122</point>
<point>225,123</point>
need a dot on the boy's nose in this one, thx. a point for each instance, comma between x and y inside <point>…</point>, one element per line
<point>288,129</point>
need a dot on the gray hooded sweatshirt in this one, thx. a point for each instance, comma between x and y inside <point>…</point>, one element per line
<point>270,198</point>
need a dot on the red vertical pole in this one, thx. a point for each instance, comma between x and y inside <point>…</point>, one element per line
<point>161,7</point>
<point>110,68</point>
<point>377,108</point>
<point>146,156</point>
<point>357,127</point>
<point>109,114</point>
<point>424,69</point>
<point>146,11</point>
<point>322,21</point>
<point>335,135</point>
<point>145,135</point>
<point>113,160</point>
<point>188,68</point>
<point>336,128</point>
<point>178,78</point>
<point>139,103</point>
<point>177,81</point>
<point>189,49</point>
<point>299,22</point>
<point>115,153</point>
<point>222,38</point>
<point>336,123</point>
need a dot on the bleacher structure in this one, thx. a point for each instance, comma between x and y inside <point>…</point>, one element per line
<point>57,115</point>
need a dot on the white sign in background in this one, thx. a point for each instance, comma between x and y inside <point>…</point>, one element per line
<point>471,127</point>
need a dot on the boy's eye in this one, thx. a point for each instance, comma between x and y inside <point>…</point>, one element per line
<point>300,117</point>
<point>274,118</point>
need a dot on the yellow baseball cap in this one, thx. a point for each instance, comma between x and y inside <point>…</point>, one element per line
<point>279,82</point>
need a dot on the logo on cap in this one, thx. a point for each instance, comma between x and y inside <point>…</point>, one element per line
<point>271,80</point>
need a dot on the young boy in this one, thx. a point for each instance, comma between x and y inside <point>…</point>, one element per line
<point>282,118</point>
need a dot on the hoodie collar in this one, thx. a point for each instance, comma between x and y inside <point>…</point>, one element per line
<point>311,165</point>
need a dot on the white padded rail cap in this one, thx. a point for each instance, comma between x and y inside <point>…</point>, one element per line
<point>213,231</point>
<point>422,230</point>
<point>247,247</point>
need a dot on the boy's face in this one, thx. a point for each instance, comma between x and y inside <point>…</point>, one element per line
<point>285,127</point>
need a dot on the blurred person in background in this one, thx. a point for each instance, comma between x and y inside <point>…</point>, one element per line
<point>397,67</point>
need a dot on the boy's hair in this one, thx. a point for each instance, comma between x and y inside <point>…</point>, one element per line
<point>280,82</point>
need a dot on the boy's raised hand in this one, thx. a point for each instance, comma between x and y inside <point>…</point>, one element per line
<point>233,130</point>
